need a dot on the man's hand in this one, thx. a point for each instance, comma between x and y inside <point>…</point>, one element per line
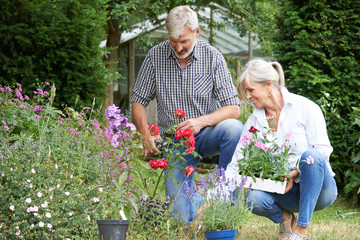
<point>149,146</point>
<point>193,124</point>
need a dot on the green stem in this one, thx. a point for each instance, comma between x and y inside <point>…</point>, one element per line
<point>158,181</point>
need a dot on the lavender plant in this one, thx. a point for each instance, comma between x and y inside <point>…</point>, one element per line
<point>223,209</point>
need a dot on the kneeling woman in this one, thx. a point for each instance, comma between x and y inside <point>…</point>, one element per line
<point>314,187</point>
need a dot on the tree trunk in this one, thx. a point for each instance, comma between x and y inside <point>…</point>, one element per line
<point>113,43</point>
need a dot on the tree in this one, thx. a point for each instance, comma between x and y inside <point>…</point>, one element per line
<point>54,41</point>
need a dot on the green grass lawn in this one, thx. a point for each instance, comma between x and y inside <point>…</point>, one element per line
<point>339,221</point>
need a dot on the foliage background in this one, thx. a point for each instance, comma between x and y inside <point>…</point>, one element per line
<point>55,41</point>
<point>318,46</point>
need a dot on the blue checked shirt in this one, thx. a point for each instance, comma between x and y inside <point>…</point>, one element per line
<point>202,87</point>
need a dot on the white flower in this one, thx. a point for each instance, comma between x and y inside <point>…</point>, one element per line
<point>35,208</point>
<point>28,200</point>
<point>101,189</point>
<point>51,196</point>
<point>56,166</point>
<point>35,214</point>
<point>28,180</point>
<point>48,215</point>
<point>39,194</point>
<point>58,186</point>
<point>96,199</point>
<point>49,225</point>
<point>33,170</point>
<point>17,227</point>
<point>11,169</point>
<point>67,193</point>
<point>30,209</point>
<point>51,189</point>
<point>41,224</point>
<point>17,233</point>
<point>70,214</point>
<point>44,205</point>
<point>31,185</point>
<point>71,176</point>
<point>12,208</point>
<point>88,218</point>
<point>32,225</point>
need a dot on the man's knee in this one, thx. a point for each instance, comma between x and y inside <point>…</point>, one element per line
<point>231,128</point>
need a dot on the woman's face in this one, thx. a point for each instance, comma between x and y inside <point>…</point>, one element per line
<point>257,93</point>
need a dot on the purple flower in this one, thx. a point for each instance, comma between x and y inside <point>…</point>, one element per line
<point>38,108</point>
<point>19,95</point>
<point>8,89</point>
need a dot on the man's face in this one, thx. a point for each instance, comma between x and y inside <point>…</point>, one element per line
<point>184,45</point>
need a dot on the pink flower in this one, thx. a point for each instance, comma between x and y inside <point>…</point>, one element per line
<point>310,160</point>
<point>25,107</point>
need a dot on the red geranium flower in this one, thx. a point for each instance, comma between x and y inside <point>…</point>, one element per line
<point>253,129</point>
<point>153,164</point>
<point>179,113</point>
<point>188,132</point>
<point>189,170</point>
<point>190,149</point>
<point>154,129</point>
<point>190,141</point>
<point>179,134</point>
<point>162,163</point>
<point>159,163</point>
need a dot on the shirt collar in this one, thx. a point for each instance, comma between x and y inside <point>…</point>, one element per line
<point>288,99</point>
<point>195,54</point>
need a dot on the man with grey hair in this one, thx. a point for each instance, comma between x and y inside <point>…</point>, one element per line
<point>186,73</point>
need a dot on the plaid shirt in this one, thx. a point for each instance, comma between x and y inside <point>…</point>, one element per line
<point>204,86</point>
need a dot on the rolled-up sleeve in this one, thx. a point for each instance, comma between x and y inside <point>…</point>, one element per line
<point>144,87</point>
<point>224,90</point>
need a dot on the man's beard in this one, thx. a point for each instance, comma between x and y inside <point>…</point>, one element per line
<point>187,52</point>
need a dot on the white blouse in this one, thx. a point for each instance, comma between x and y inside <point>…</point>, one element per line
<point>301,118</point>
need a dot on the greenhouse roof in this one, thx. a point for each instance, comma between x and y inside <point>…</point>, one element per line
<point>227,40</point>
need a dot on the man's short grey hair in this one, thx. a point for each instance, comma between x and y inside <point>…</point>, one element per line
<point>178,18</point>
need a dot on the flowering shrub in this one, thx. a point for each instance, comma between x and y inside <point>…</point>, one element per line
<point>47,160</point>
<point>263,157</point>
<point>222,210</point>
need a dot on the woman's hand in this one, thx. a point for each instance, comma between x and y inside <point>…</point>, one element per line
<point>290,179</point>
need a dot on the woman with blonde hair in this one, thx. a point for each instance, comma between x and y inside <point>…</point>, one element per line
<point>312,186</point>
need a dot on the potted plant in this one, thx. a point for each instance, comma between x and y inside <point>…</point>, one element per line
<point>223,212</point>
<point>264,160</point>
<point>118,192</point>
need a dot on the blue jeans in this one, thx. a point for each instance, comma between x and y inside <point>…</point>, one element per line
<point>221,139</point>
<point>315,191</point>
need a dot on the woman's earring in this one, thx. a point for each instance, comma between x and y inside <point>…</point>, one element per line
<point>269,93</point>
